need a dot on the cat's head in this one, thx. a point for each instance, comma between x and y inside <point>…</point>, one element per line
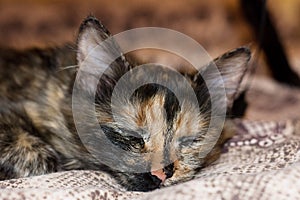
<point>166,137</point>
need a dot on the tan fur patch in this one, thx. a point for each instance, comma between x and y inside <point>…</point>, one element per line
<point>24,141</point>
<point>188,122</point>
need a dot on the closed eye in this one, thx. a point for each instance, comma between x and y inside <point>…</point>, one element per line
<point>127,140</point>
<point>187,140</point>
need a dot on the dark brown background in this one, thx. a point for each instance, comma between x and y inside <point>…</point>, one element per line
<point>218,25</point>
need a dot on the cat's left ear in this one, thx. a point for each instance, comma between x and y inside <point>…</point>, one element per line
<point>232,67</point>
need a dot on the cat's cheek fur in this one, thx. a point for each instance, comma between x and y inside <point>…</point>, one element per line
<point>182,172</point>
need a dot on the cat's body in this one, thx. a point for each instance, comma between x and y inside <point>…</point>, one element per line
<point>35,99</point>
<point>37,130</point>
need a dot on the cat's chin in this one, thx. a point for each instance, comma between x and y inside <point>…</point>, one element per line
<point>142,182</point>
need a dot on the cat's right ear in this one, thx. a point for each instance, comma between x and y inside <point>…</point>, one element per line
<point>232,66</point>
<point>96,50</point>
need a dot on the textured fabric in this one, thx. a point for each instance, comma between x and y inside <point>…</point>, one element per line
<point>262,161</point>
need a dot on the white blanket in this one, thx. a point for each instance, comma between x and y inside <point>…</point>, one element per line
<point>261,162</point>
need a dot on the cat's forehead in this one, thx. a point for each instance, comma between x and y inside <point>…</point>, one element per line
<point>157,110</point>
<point>144,108</point>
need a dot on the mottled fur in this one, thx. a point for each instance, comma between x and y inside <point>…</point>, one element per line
<point>37,131</point>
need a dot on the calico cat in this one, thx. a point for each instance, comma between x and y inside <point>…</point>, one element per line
<point>37,130</point>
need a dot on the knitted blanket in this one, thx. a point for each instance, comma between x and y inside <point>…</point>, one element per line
<point>262,161</point>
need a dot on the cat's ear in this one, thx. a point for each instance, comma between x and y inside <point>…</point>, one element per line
<point>98,52</point>
<point>91,35</point>
<point>232,67</point>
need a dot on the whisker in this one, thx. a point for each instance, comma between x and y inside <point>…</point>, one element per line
<point>68,67</point>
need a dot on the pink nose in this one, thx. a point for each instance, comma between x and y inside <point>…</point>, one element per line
<point>159,174</point>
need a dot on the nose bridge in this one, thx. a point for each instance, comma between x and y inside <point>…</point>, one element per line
<point>157,153</point>
<point>160,130</point>
<point>156,125</point>
<point>161,164</point>
<point>165,154</point>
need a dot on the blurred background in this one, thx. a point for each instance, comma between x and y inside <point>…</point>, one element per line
<point>218,25</point>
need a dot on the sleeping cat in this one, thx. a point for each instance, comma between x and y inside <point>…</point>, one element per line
<point>37,130</point>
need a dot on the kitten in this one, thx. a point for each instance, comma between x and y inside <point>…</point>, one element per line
<point>37,130</point>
